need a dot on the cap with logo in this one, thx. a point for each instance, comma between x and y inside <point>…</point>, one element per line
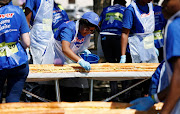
<point>92,18</point>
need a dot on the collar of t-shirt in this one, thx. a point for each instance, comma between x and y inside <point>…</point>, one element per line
<point>143,9</point>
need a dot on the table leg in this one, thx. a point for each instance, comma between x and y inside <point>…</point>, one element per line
<point>91,91</point>
<point>57,90</point>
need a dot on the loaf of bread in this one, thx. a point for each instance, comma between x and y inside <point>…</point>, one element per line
<point>97,107</point>
<point>100,67</point>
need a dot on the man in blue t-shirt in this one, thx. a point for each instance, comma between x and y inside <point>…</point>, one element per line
<point>160,23</point>
<point>40,20</point>
<point>111,27</point>
<point>14,39</point>
<point>39,15</point>
<point>137,32</point>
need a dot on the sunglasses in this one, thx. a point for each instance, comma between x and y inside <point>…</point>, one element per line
<point>87,29</point>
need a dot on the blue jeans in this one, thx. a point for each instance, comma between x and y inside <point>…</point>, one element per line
<point>16,78</point>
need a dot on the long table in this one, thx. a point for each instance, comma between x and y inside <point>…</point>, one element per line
<point>100,71</point>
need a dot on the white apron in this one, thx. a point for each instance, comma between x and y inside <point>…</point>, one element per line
<point>141,45</point>
<point>176,109</point>
<point>41,33</point>
<point>60,58</point>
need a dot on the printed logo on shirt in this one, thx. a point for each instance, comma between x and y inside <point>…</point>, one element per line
<point>145,15</point>
<point>8,15</point>
<point>116,15</point>
<point>4,24</point>
<point>157,13</point>
<point>79,42</point>
<point>67,22</point>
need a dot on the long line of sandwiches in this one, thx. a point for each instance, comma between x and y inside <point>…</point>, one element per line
<point>97,107</point>
<point>100,67</point>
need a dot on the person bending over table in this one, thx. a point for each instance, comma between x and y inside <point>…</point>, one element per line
<point>72,38</point>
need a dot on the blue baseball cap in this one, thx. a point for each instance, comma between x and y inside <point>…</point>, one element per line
<point>92,18</point>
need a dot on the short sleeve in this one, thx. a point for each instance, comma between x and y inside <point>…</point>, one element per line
<point>30,4</point>
<point>173,40</point>
<point>66,35</point>
<point>128,19</point>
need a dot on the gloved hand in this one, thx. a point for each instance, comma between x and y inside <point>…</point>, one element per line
<point>86,52</point>
<point>86,65</point>
<point>142,104</point>
<point>123,59</point>
<point>157,51</point>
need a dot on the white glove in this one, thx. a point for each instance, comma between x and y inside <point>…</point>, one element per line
<point>86,65</point>
<point>123,59</point>
<point>86,52</point>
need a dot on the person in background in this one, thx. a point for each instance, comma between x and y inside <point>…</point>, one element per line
<point>138,25</point>
<point>71,39</point>
<point>39,15</point>
<point>59,16</point>
<point>171,94</point>
<point>14,39</point>
<point>111,27</point>
<point>137,31</point>
<point>40,20</point>
<point>160,23</point>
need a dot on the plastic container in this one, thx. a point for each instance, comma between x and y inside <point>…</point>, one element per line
<point>91,58</point>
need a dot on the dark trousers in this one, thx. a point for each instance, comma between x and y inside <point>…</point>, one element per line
<point>71,94</point>
<point>16,78</point>
<point>111,48</point>
<point>160,57</point>
<point>112,52</point>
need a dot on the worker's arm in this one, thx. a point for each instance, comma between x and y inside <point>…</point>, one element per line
<point>25,40</point>
<point>163,94</point>
<point>124,40</point>
<point>174,91</point>
<point>68,52</point>
<point>28,14</point>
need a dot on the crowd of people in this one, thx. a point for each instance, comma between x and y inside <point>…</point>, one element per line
<point>142,32</point>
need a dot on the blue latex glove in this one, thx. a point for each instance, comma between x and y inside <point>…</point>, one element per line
<point>86,51</point>
<point>157,51</point>
<point>86,65</point>
<point>123,59</point>
<point>142,104</point>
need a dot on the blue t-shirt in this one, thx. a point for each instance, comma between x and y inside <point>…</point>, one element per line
<point>155,79</point>
<point>130,20</point>
<point>59,16</point>
<point>16,23</point>
<point>33,5</point>
<point>160,21</point>
<point>173,40</point>
<point>111,19</point>
<point>67,32</point>
<point>67,35</point>
<point>13,24</point>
